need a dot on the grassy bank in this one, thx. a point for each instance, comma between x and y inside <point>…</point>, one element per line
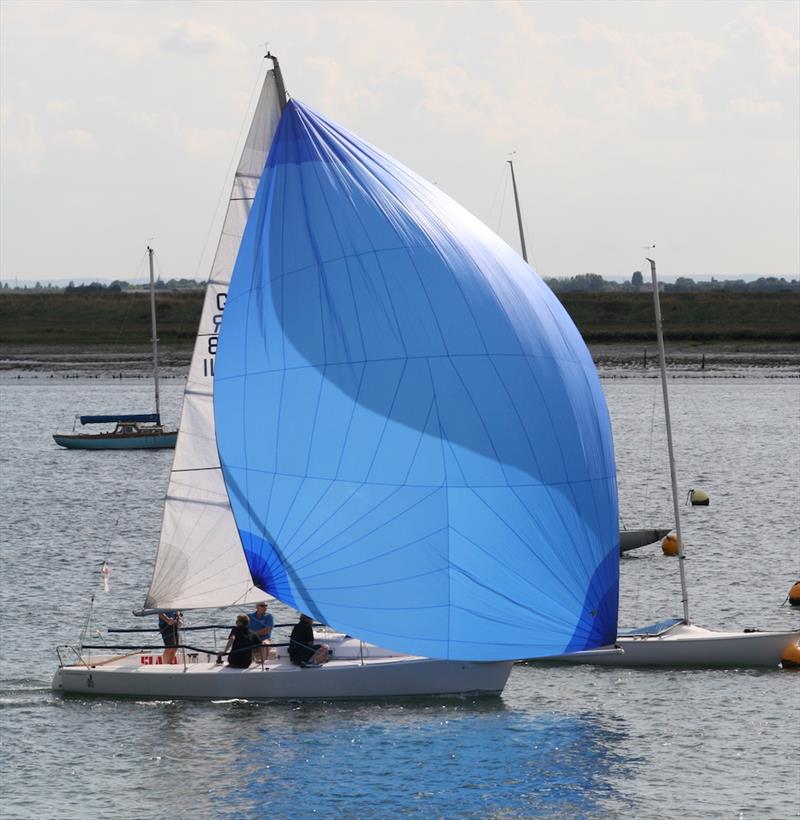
<point>124,319</point>
<point>709,316</point>
<point>98,318</point>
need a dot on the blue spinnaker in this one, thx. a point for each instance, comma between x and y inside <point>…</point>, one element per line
<point>413,436</point>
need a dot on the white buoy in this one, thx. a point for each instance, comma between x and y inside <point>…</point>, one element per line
<point>698,498</point>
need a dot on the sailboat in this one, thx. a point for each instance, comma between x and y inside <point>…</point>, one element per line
<point>677,642</point>
<point>628,539</point>
<point>132,431</point>
<point>391,425</point>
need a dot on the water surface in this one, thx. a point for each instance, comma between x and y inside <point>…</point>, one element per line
<point>561,742</point>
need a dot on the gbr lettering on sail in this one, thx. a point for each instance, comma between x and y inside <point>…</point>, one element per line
<point>213,337</point>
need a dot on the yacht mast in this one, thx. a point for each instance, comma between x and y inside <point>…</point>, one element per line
<point>675,507</point>
<point>278,80</point>
<point>153,328</point>
<point>519,213</point>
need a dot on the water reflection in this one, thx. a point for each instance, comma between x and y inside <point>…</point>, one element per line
<point>438,759</point>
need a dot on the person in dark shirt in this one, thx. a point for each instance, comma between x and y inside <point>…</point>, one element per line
<point>169,622</point>
<point>302,649</point>
<point>241,643</point>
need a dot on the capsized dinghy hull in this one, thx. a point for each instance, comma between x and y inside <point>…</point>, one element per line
<point>404,676</point>
<point>688,646</point>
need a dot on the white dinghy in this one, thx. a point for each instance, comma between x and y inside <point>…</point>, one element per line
<point>678,643</point>
<point>396,429</point>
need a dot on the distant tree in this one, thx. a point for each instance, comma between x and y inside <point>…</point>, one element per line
<point>682,283</point>
<point>637,280</point>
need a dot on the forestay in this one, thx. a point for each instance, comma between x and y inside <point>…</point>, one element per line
<point>413,435</point>
<point>200,561</point>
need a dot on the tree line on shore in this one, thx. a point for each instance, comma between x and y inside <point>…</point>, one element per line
<point>581,283</point>
<point>117,286</point>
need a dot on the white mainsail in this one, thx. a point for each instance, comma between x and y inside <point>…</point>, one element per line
<point>200,562</point>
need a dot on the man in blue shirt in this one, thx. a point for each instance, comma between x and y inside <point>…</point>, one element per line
<point>261,622</point>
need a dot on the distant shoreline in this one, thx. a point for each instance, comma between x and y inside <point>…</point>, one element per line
<point>611,358</point>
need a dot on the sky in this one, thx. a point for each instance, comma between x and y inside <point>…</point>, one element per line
<point>666,123</point>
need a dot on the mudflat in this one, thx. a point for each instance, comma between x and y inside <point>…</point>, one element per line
<point>629,358</point>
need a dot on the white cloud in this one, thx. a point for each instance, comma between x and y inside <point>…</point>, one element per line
<point>133,46</point>
<point>190,36</point>
<point>338,95</point>
<point>21,145</point>
<point>75,138</point>
<point>780,45</point>
<point>743,105</point>
<point>212,142</point>
<point>61,106</point>
<point>658,71</point>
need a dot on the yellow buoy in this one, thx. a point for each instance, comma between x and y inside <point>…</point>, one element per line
<point>794,594</point>
<point>669,545</point>
<point>698,498</point>
<point>790,657</point>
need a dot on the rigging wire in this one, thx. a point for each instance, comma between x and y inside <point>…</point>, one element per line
<point>649,466</point>
<point>503,183</point>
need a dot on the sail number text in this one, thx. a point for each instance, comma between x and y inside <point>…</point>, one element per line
<point>211,349</point>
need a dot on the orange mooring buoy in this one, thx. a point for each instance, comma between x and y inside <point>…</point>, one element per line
<point>794,594</point>
<point>669,544</point>
<point>790,657</point>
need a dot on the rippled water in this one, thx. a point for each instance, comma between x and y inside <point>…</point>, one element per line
<point>561,742</point>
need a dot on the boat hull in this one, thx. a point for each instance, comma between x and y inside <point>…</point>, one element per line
<point>690,646</point>
<point>633,539</point>
<point>337,680</point>
<point>165,441</point>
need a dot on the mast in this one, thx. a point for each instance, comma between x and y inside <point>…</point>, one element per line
<point>153,328</point>
<point>278,80</point>
<point>519,213</point>
<point>675,507</point>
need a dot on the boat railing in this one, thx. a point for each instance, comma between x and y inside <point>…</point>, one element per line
<point>130,650</point>
<point>193,628</point>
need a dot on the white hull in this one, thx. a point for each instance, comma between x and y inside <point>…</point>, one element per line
<point>340,679</point>
<point>687,645</point>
